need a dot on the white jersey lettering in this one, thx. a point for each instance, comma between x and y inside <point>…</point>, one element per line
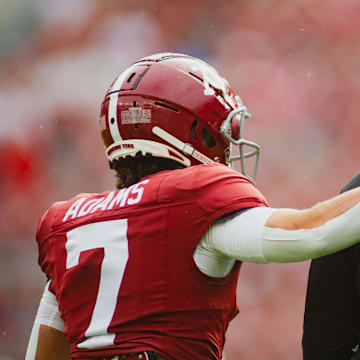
<point>129,196</point>
<point>138,190</point>
<point>88,206</point>
<point>73,210</point>
<point>104,203</point>
<point>117,199</point>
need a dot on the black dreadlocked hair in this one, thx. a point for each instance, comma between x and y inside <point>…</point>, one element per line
<point>131,169</point>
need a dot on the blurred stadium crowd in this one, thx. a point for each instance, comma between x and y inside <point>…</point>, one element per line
<point>295,65</point>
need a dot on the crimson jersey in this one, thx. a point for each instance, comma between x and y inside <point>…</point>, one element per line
<point>122,266</point>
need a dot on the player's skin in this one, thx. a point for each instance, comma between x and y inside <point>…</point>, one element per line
<point>52,341</point>
<point>291,219</point>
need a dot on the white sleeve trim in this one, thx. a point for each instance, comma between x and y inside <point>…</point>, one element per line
<point>48,311</point>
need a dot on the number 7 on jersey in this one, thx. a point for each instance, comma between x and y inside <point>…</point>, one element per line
<point>112,237</point>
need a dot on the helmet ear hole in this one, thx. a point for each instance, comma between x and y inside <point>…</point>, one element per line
<point>206,138</point>
<point>193,129</point>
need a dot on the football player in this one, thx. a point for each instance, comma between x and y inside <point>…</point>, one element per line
<point>149,271</point>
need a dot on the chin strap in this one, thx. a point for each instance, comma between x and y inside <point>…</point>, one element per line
<point>188,149</point>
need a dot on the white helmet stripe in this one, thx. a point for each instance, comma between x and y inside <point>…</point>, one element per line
<point>112,113</point>
<point>112,117</point>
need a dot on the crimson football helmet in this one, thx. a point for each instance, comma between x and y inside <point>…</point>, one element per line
<point>177,107</point>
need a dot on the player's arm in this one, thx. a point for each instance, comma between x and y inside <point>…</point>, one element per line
<point>287,235</point>
<point>47,340</point>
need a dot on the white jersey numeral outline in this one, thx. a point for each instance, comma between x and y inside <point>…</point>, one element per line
<point>112,237</point>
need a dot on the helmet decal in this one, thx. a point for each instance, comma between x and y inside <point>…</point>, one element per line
<point>136,115</point>
<point>207,90</point>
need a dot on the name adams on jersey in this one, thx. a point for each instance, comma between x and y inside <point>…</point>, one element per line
<point>129,196</point>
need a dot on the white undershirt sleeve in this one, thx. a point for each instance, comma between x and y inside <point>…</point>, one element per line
<point>281,245</point>
<point>234,237</point>
<point>240,236</point>
<point>245,237</point>
<point>48,311</point>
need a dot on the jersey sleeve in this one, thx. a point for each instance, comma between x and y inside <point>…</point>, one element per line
<point>221,190</point>
<point>43,234</point>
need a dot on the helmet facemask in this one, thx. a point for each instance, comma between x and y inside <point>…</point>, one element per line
<point>229,131</point>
